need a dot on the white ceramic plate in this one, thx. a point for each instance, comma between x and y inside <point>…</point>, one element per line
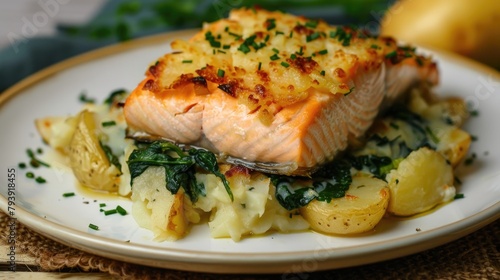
<point>55,91</point>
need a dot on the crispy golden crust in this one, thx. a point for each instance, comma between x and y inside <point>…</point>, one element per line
<point>269,60</point>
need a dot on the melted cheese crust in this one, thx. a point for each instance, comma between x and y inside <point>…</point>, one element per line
<point>269,60</point>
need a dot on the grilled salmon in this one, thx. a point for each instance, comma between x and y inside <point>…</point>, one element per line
<point>273,91</point>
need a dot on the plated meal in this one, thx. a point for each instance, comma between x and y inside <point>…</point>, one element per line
<point>267,121</point>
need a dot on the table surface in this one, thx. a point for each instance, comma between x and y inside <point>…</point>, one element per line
<point>475,256</point>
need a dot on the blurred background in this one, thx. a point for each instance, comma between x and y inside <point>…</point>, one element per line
<point>37,33</point>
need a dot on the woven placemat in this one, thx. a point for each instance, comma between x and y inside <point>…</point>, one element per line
<point>475,256</point>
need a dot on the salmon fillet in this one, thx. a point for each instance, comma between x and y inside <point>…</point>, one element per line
<point>273,91</point>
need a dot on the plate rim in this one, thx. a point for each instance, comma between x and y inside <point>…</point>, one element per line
<point>247,262</point>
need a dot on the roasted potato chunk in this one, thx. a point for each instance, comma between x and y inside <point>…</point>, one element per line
<point>88,160</point>
<point>167,215</point>
<point>422,180</point>
<point>360,210</point>
<point>57,131</point>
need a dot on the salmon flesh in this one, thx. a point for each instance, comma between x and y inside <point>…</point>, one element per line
<point>273,91</point>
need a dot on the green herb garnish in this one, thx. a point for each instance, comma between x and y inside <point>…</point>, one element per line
<point>108,123</point>
<point>121,211</point>
<point>115,95</point>
<point>94,227</point>
<point>40,180</point>
<point>35,162</point>
<point>312,23</point>
<point>113,159</point>
<point>85,99</point>
<point>274,57</point>
<point>270,23</point>
<point>110,212</point>
<point>313,36</point>
<point>325,51</point>
<point>69,194</point>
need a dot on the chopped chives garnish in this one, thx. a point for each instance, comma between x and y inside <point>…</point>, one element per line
<point>39,150</point>
<point>34,161</point>
<point>312,37</point>
<point>322,73</point>
<point>325,51</point>
<point>274,57</point>
<point>284,64</point>
<point>102,204</point>
<point>110,212</point>
<point>40,180</point>
<point>347,40</point>
<point>226,47</point>
<point>22,165</point>
<point>121,211</point>
<point>312,23</point>
<point>30,175</point>
<point>83,98</point>
<point>260,65</point>
<point>30,153</point>
<point>244,48</point>
<point>432,135</point>
<point>187,61</point>
<point>220,73</point>
<point>108,123</point>
<point>279,33</point>
<point>94,227</point>
<point>293,56</point>
<point>459,195</point>
<point>291,34</point>
<point>266,38</point>
<point>215,44</point>
<point>393,125</point>
<point>391,54</point>
<point>300,51</point>
<point>68,194</point>
<point>221,51</point>
<point>374,46</point>
<point>271,23</point>
<point>276,50</point>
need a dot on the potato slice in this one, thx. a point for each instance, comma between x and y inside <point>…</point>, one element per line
<point>422,180</point>
<point>56,131</point>
<point>155,208</point>
<point>454,145</point>
<point>359,211</point>
<point>89,163</point>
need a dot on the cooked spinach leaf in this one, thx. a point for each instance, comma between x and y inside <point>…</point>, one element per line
<point>180,167</point>
<point>331,181</point>
<point>113,159</point>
